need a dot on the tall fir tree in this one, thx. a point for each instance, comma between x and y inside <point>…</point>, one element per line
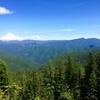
<point>98,74</point>
<point>90,78</point>
<point>4,80</point>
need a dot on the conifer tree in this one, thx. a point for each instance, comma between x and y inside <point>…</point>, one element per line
<point>90,78</point>
<point>68,73</point>
<point>98,74</point>
<point>4,81</point>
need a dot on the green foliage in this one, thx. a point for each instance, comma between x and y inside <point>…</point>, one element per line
<point>2,95</point>
<point>37,98</point>
<point>66,96</point>
<point>62,79</point>
<point>3,75</point>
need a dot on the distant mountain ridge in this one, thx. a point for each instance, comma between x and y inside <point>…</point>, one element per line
<point>31,52</point>
<point>89,40</point>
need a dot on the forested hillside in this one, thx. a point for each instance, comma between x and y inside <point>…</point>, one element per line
<point>68,77</point>
<point>29,53</point>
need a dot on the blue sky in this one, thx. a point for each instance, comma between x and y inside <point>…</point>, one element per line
<point>50,19</point>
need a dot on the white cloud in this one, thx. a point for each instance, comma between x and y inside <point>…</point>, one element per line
<point>10,37</point>
<point>38,37</point>
<point>67,30</point>
<point>55,31</point>
<point>4,11</point>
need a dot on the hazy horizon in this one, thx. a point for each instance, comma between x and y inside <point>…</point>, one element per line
<point>13,37</point>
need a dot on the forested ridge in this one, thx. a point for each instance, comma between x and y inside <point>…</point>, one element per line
<point>68,77</point>
<point>39,52</point>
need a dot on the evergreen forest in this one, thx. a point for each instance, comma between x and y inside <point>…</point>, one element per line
<point>67,77</point>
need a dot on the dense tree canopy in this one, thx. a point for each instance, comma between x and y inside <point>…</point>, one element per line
<point>65,78</point>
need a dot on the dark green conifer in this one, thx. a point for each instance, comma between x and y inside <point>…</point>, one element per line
<point>4,81</point>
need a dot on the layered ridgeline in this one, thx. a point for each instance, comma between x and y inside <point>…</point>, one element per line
<point>29,53</point>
